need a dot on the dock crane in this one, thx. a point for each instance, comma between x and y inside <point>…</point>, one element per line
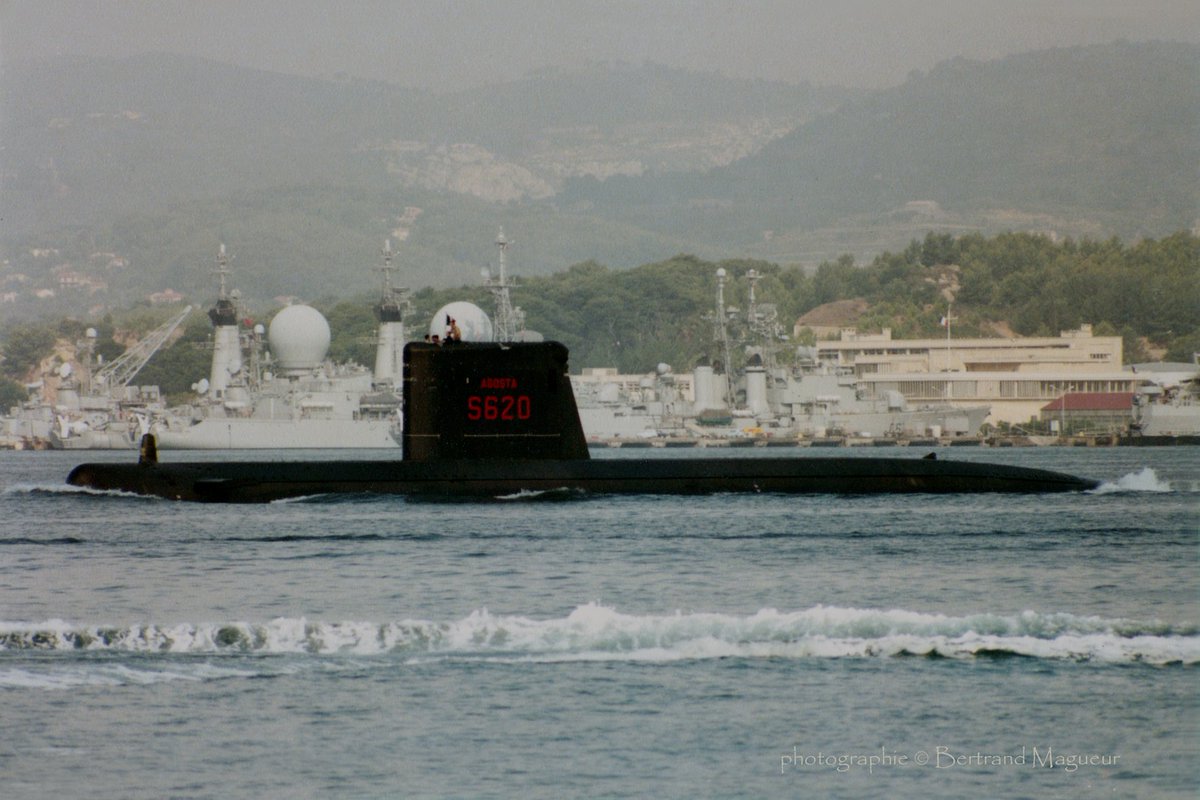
<point>117,373</point>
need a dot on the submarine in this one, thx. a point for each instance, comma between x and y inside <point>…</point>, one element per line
<point>487,419</point>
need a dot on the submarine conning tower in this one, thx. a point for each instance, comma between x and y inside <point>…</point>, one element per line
<point>488,401</point>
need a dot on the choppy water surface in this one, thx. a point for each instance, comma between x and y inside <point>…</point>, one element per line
<point>580,646</point>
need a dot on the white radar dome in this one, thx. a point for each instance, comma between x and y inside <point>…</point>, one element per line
<point>473,323</point>
<point>299,338</point>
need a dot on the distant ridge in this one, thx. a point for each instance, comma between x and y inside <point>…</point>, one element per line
<point>1106,128</point>
<point>159,158</point>
<point>1100,140</point>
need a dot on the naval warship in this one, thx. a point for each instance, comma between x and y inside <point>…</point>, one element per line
<point>295,398</point>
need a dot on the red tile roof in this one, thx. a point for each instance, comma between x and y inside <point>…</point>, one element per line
<point>1092,401</point>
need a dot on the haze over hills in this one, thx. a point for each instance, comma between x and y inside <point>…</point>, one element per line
<point>162,127</point>
<point>154,160</point>
<point>1091,141</point>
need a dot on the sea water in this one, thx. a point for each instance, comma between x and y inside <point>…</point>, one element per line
<point>568,645</point>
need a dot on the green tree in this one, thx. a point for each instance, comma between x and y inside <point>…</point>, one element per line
<point>353,330</point>
<point>1185,348</point>
<point>25,346</point>
<point>12,394</point>
<point>174,369</point>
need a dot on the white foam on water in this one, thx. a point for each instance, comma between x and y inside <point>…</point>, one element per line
<point>534,494</point>
<point>304,498</point>
<point>521,495</point>
<point>594,632</point>
<point>59,676</point>
<point>66,488</point>
<point>1144,481</point>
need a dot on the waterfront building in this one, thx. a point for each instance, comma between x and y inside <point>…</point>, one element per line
<point>1016,376</point>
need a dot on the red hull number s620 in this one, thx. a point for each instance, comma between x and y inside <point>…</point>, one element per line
<point>501,407</point>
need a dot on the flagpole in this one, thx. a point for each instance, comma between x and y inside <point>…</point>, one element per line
<point>948,353</point>
<point>946,322</point>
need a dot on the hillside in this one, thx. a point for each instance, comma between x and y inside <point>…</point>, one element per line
<point>89,139</point>
<point>155,160</point>
<point>1102,130</point>
<point>1096,141</point>
<point>1012,284</point>
<point>121,177</point>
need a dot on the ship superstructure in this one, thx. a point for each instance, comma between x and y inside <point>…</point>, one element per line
<point>98,407</point>
<point>759,386</point>
<point>227,348</point>
<point>273,388</point>
<point>390,311</point>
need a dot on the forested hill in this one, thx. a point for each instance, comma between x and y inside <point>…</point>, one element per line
<point>1088,141</point>
<point>121,177</point>
<point>634,319</point>
<point>1111,131</point>
<point>157,159</point>
<point>89,139</point>
<point>1012,283</point>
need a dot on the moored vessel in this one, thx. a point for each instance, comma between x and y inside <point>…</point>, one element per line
<point>272,388</point>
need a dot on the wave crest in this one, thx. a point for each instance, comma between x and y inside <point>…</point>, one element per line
<point>1146,480</point>
<point>598,633</point>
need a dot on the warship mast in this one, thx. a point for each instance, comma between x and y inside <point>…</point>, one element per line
<point>762,321</point>
<point>227,351</point>
<point>393,301</point>
<point>509,321</point>
<point>722,334</point>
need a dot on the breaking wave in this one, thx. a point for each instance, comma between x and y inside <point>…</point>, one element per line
<point>598,633</point>
<point>1144,481</point>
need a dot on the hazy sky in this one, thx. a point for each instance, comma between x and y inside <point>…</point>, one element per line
<point>446,44</point>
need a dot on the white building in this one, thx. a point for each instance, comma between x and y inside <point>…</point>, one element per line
<point>1015,376</point>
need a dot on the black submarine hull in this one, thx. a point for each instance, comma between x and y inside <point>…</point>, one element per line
<point>246,482</point>
<point>496,420</point>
